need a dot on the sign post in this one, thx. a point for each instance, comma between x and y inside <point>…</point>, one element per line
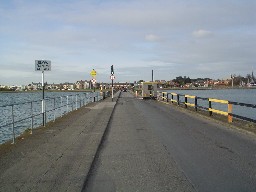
<point>112,77</point>
<point>93,74</point>
<point>43,65</point>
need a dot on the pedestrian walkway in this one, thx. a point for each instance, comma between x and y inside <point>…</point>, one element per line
<point>58,157</point>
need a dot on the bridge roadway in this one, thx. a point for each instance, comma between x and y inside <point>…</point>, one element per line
<point>131,145</point>
<point>154,147</point>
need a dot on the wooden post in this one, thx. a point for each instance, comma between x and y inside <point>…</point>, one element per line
<point>210,106</point>
<point>196,103</point>
<point>186,100</point>
<point>230,116</point>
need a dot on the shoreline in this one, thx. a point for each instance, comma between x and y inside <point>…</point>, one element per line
<point>71,91</point>
<point>209,88</point>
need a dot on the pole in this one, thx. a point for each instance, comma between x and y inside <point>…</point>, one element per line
<point>94,92</point>
<point>152,76</point>
<point>112,90</point>
<point>43,101</point>
<point>13,132</point>
<point>112,74</point>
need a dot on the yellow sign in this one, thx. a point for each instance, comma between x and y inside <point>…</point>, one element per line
<point>93,73</point>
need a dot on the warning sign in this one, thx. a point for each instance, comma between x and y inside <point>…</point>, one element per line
<point>93,73</point>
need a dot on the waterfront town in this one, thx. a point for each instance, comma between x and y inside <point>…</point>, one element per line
<point>178,82</point>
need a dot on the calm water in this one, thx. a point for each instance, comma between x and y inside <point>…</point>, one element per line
<point>237,95</point>
<point>27,104</point>
<point>22,111</point>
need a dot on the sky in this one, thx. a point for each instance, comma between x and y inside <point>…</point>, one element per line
<point>193,38</point>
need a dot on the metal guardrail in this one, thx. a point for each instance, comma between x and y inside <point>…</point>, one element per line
<point>192,101</point>
<point>62,105</point>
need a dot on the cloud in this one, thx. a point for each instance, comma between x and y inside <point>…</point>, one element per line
<point>80,35</point>
<point>202,33</point>
<point>152,37</point>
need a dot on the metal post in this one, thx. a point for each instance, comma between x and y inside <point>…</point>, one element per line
<point>13,133</point>
<point>43,101</point>
<point>61,106</point>
<point>54,110</point>
<point>84,99</point>
<point>94,92</point>
<point>67,103</point>
<point>80,101</point>
<point>72,102</point>
<point>45,116</point>
<point>178,99</point>
<point>76,102</point>
<point>112,90</point>
<point>32,118</point>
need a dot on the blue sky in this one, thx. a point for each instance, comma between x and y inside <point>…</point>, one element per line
<point>195,38</point>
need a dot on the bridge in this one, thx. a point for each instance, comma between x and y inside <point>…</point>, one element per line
<point>131,145</point>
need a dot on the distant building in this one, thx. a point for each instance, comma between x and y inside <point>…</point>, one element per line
<point>68,86</point>
<point>220,83</point>
<point>82,84</point>
<point>34,86</point>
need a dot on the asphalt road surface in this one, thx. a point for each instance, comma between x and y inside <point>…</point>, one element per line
<point>151,146</point>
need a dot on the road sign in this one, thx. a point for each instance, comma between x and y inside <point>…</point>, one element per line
<point>112,77</point>
<point>93,73</point>
<point>42,65</point>
<point>93,81</point>
<point>112,70</point>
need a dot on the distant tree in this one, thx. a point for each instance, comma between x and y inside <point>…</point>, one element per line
<point>237,80</point>
<point>187,80</point>
<point>179,80</point>
<point>182,80</point>
<point>248,78</point>
<point>5,89</point>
